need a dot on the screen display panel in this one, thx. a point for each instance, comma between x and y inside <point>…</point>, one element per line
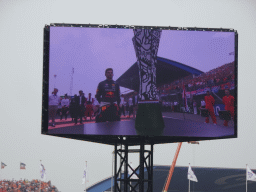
<point>104,81</point>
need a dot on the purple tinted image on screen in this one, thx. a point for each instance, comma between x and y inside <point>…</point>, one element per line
<point>189,63</point>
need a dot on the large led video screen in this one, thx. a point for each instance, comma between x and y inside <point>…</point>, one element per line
<point>100,81</point>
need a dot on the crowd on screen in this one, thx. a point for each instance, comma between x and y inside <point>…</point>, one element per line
<point>77,107</point>
<point>81,108</point>
<point>129,104</point>
<point>25,185</point>
<point>222,75</point>
<point>217,76</point>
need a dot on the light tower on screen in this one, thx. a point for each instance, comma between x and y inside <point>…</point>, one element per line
<point>71,82</point>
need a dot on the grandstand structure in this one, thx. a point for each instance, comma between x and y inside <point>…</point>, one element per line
<point>167,71</point>
<point>172,75</point>
<point>209,179</point>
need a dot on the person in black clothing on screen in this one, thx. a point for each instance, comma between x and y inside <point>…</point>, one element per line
<point>73,108</point>
<point>80,101</point>
<point>108,92</point>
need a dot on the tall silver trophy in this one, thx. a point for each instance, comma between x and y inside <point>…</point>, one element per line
<point>149,120</point>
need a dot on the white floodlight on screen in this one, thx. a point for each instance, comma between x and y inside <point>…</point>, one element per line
<point>124,138</point>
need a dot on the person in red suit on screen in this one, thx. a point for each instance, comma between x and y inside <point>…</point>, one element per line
<point>209,103</point>
<point>89,109</point>
<point>228,101</point>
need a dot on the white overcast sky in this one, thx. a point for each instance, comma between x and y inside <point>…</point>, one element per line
<point>21,53</point>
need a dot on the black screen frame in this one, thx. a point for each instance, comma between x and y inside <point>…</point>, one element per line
<point>119,139</point>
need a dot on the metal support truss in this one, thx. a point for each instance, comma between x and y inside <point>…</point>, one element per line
<point>139,179</point>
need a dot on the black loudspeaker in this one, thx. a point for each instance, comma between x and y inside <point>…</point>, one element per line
<point>225,115</point>
<point>204,112</point>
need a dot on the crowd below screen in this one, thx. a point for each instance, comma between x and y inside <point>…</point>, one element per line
<point>25,185</point>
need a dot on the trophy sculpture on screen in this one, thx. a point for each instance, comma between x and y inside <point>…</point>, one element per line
<point>149,120</point>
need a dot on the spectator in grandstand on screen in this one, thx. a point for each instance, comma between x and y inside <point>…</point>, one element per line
<point>127,107</point>
<point>80,104</point>
<point>89,108</point>
<point>163,105</point>
<point>96,106</point>
<point>202,105</point>
<point>122,105</point>
<point>64,107</point>
<point>175,103</point>
<point>195,107</point>
<point>73,108</point>
<point>166,105</point>
<point>172,106</point>
<point>135,103</point>
<point>228,100</point>
<point>209,103</point>
<point>54,101</point>
<point>130,105</point>
<point>190,86</point>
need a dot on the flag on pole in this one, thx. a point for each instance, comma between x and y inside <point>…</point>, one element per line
<point>22,166</point>
<point>250,175</point>
<point>191,175</point>
<point>3,165</point>
<point>85,175</point>
<point>42,173</point>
